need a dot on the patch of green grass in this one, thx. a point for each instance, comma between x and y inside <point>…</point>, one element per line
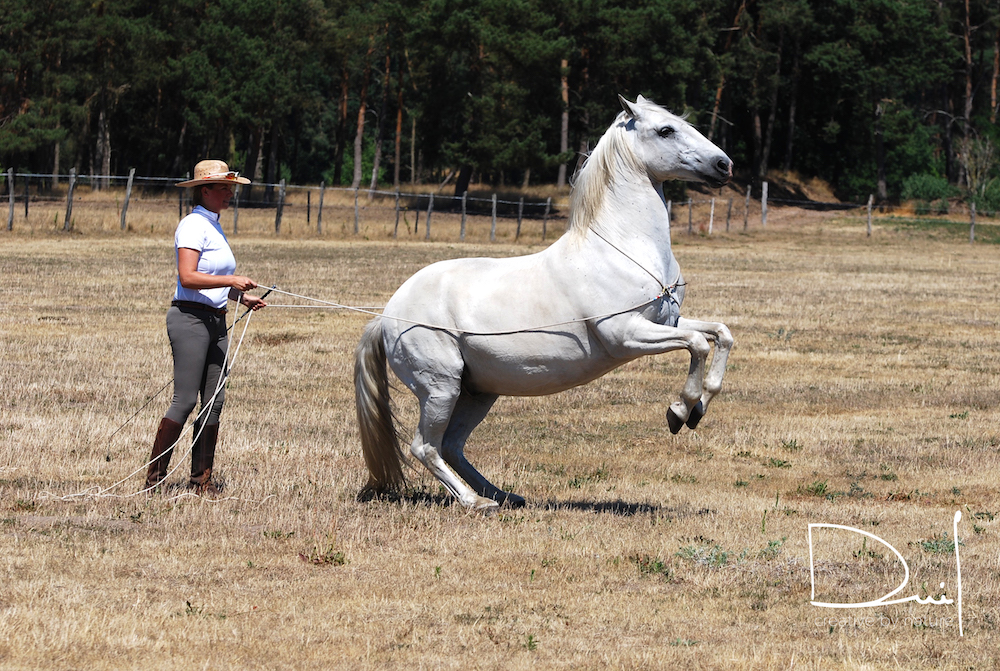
<point>791,445</point>
<point>711,556</point>
<point>817,488</point>
<point>327,554</point>
<point>939,544</point>
<point>651,566</point>
<point>948,230</point>
<point>773,549</point>
<point>598,475</point>
<point>25,506</point>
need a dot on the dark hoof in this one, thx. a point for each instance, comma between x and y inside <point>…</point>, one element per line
<point>697,412</point>
<point>511,501</point>
<point>673,421</point>
<point>371,493</point>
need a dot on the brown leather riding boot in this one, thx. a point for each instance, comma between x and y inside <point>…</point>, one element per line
<point>202,458</point>
<point>163,447</point>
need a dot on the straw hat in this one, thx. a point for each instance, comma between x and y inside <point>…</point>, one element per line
<point>213,171</point>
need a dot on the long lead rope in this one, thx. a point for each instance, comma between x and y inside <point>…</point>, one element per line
<point>206,406</point>
<point>665,291</point>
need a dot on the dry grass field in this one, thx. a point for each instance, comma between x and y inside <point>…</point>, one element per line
<point>863,390</point>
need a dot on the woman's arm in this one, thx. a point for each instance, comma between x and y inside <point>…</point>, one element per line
<point>187,272</point>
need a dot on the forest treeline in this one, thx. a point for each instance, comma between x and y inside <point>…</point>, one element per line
<point>873,96</point>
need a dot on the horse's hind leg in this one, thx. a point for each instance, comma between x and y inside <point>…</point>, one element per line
<point>436,407</point>
<point>720,335</point>
<point>470,410</point>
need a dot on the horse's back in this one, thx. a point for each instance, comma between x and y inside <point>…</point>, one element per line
<point>512,322</point>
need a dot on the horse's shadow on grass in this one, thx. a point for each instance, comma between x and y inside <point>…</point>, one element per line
<point>617,507</point>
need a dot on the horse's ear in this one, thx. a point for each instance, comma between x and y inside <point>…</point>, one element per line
<point>627,106</point>
<point>640,99</point>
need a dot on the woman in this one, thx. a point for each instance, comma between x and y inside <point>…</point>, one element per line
<point>196,323</point>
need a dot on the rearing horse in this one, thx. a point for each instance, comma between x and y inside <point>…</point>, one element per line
<point>463,332</point>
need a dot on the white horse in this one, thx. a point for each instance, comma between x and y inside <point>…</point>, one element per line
<point>463,332</point>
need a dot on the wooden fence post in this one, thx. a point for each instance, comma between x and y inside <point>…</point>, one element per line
<point>69,199</point>
<point>493,225</point>
<point>427,224</point>
<point>27,194</point>
<point>10,197</point>
<point>355,211</point>
<point>180,198</point>
<point>461,231</point>
<point>670,214</point>
<point>711,217</point>
<point>763,205</point>
<point>972,225</point>
<point>236,210</point>
<point>128,195</point>
<point>395,229</point>
<point>871,200</point>
<point>319,210</point>
<point>520,211</point>
<point>280,209</point>
<point>690,216</point>
<point>309,207</point>
<point>545,217</point>
<point>746,211</point>
<point>729,214</point>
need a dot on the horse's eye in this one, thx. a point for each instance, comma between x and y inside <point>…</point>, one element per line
<point>666,131</point>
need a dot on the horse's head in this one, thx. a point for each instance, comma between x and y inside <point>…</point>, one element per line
<point>670,148</point>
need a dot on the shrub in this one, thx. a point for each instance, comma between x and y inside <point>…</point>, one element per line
<point>927,188</point>
<point>990,200</point>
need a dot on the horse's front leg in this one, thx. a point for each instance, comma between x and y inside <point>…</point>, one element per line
<point>719,334</point>
<point>634,336</point>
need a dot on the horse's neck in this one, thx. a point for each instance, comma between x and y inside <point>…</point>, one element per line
<point>634,217</point>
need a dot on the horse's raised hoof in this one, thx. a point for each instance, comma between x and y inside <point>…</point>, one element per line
<point>697,412</point>
<point>488,507</point>
<point>674,423</point>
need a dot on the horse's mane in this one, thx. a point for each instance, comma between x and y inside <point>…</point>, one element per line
<point>612,156</point>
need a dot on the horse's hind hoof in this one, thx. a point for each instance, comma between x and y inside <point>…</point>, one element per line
<point>697,412</point>
<point>372,493</point>
<point>674,423</point>
<point>512,501</point>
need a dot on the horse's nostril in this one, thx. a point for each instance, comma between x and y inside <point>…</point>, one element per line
<point>724,166</point>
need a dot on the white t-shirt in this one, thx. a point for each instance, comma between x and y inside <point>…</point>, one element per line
<point>201,232</point>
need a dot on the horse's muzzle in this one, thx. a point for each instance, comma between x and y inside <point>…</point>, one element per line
<point>723,172</point>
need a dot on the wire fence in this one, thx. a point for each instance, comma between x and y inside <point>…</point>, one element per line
<point>153,205</point>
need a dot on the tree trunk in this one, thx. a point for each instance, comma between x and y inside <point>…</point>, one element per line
<point>793,98</point>
<point>996,74</point>
<point>722,74</point>
<point>362,110</point>
<point>102,151</point>
<point>967,35</point>
<point>272,163</point>
<point>338,156</point>
<point>379,133</point>
<point>757,143</point>
<point>399,133</point>
<point>881,189</point>
<point>462,183</point>
<point>773,114</point>
<point>55,162</point>
<point>250,167</point>
<point>564,130</point>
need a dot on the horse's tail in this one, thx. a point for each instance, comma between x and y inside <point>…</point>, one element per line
<point>379,437</point>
